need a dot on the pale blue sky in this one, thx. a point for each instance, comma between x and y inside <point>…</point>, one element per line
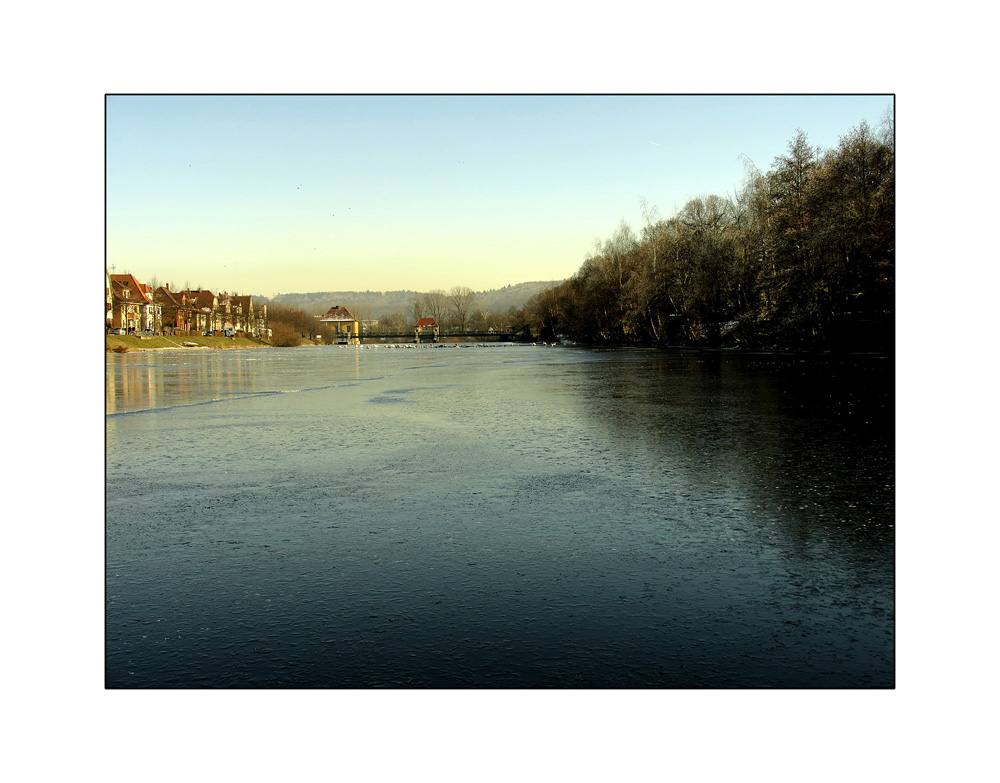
<point>280,194</point>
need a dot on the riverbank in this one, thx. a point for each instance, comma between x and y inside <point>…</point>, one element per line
<point>127,343</point>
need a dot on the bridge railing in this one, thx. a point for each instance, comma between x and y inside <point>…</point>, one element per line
<point>431,337</point>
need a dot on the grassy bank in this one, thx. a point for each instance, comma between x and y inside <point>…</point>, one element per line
<point>120,343</point>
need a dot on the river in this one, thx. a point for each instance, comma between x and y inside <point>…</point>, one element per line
<point>500,516</point>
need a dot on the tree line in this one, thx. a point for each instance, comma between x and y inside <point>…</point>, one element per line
<point>802,257</point>
<point>454,310</point>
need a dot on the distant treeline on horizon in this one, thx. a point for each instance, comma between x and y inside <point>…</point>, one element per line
<point>376,304</point>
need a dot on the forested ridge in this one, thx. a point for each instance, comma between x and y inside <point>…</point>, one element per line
<point>802,257</point>
<point>382,304</point>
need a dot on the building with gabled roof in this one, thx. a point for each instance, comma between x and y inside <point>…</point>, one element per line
<point>426,326</point>
<point>134,308</point>
<point>207,317</point>
<point>346,326</point>
<point>110,302</point>
<point>178,312</point>
<point>242,312</point>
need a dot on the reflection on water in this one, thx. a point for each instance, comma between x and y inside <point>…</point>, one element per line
<point>811,439</point>
<point>502,516</point>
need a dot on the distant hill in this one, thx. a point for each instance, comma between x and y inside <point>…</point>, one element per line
<point>377,304</point>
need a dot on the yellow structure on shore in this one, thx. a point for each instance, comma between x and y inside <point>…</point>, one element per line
<point>426,327</point>
<point>347,327</point>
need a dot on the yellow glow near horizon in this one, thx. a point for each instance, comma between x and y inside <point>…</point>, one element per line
<point>268,194</point>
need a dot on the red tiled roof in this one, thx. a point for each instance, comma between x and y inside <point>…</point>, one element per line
<point>171,297</point>
<point>200,298</point>
<point>426,322</point>
<point>338,314</point>
<point>137,290</point>
<point>205,299</point>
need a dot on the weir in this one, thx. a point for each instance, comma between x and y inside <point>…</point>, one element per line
<point>437,338</point>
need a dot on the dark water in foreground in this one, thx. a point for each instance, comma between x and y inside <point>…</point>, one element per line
<point>501,516</point>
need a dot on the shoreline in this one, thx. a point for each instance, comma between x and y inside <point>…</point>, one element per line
<point>136,344</point>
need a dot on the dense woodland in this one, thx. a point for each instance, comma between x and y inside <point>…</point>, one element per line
<point>802,257</point>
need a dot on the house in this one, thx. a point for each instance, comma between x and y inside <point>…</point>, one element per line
<point>206,316</point>
<point>344,323</point>
<point>246,317</point>
<point>178,311</point>
<point>225,310</point>
<point>426,327</point>
<point>109,309</point>
<point>133,307</point>
<point>243,315</point>
<point>258,322</point>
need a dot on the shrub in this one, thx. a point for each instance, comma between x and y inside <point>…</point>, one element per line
<point>284,336</point>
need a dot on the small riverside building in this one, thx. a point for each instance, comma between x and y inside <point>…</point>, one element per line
<point>426,327</point>
<point>345,324</point>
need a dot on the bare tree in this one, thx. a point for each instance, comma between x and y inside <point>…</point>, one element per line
<point>887,127</point>
<point>435,304</point>
<point>462,300</point>
<point>395,323</point>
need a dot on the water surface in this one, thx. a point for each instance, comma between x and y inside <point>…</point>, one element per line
<point>498,516</point>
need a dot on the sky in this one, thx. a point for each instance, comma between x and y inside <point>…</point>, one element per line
<point>270,194</point>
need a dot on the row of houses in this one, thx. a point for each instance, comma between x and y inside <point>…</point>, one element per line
<point>135,308</point>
